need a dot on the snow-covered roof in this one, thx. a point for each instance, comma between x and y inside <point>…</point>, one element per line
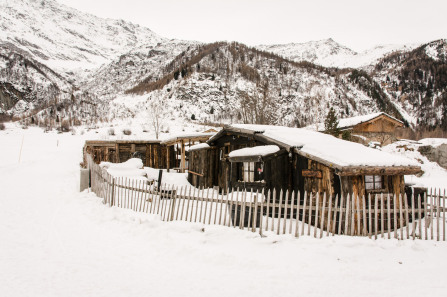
<point>262,150</point>
<point>186,136</point>
<point>199,147</point>
<point>353,121</point>
<point>324,148</point>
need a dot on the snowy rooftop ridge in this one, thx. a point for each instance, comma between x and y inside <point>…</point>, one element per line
<point>262,150</point>
<point>329,150</point>
<point>352,121</point>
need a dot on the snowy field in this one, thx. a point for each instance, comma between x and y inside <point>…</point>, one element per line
<point>55,241</point>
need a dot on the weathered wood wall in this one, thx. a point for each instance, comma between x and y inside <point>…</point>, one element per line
<point>202,167</point>
<point>152,154</point>
<point>380,125</point>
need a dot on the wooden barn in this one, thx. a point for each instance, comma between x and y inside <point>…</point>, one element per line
<point>177,147</point>
<point>152,152</point>
<point>266,157</point>
<point>377,127</point>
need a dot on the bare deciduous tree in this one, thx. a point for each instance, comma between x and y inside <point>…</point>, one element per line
<point>156,115</point>
<point>258,107</point>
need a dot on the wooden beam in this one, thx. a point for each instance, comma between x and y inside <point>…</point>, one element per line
<point>370,170</point>
<point>167,157</point>
<point>195,173</point>
<point>182,164</point>
<point>117,151</point>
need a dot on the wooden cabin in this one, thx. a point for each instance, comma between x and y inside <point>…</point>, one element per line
<point>151,152</point>
<point>177,147</point>
<point>298,160</point>
<point>377,127</point>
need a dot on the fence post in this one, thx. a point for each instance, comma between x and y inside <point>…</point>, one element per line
<point>113,192</point>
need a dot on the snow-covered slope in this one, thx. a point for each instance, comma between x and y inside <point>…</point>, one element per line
<point>416,83</point>
<point>224,82</point>
<point>144,62</point>
<point>329,53</point>
<point>67,40</point>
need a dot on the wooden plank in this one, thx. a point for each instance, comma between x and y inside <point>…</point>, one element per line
<point>317,205</point>
<point>443,216</point>
<point>304,213</point>
<point>249,210</point>
<point>242,211</point>
<point>353,211</point>
<point>365,232</point>
<point>184,201</point>
<point>197,204</point>
<point>292,202</point>
<point>438,214</point>
<point>235,208</point>
<point>334,218</point>
<point>188,200</point>
<point>401,219</point>
<point>285,212</point>
<point>195,173</point>
<point>358,212</point>
<point>217,206</point>
<point>183,161</point>
<point>312,173</point>
<point>228,208</point>
<point>279,211</point>
<point>222,205</point>
<point>322,215</point>
<point>298,204</point>
<point>389,216</point>
<point>201,207</point>
<point>407,218</point>
<point>420,216</point>
<point>255,208</point>
<point>432,206</point>
<point>413,216</point>
<point>376,216</point>
<point>273,209</point>
<point>329,215</point>
<point>395,197</point>
<point>211,208</point>
<point>425,215</point>
<point>382,222</point>
<point>340,210</point>
<point>310,214</point>
<point>154,200</point>
<point>262,214</point>
<point>268,211</point>
<point>369,217</point>
<point>348,204</point>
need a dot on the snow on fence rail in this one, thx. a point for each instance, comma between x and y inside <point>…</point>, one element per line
<point>386,216</point>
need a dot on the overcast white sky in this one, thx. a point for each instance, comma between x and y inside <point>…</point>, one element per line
<point>355,23</point>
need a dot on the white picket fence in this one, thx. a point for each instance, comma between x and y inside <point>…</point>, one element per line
<point>385,216</point>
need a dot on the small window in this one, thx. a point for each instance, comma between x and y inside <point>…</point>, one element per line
<point>249,171</point>
<point>373,182</point>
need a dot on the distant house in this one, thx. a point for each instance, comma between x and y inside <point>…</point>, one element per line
<point>262,157</point>
<point>376,127</point>
<point>171,153</point>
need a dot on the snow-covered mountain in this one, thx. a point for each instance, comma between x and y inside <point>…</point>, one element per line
<point>66,40</point>
<point>416,83</point>
<point>61,62</point>
<point>330,53</point>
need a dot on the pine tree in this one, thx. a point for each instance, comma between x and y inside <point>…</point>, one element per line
<point>331,123</point>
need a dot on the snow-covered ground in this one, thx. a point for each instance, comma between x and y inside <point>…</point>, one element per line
<point>55,241</point>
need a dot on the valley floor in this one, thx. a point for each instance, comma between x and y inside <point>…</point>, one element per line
<point>55,241</point>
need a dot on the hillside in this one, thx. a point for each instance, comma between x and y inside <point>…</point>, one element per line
<point>232,82</point>
<point>57,62</point>
<point>330,53</point>
<point>416,82</point>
